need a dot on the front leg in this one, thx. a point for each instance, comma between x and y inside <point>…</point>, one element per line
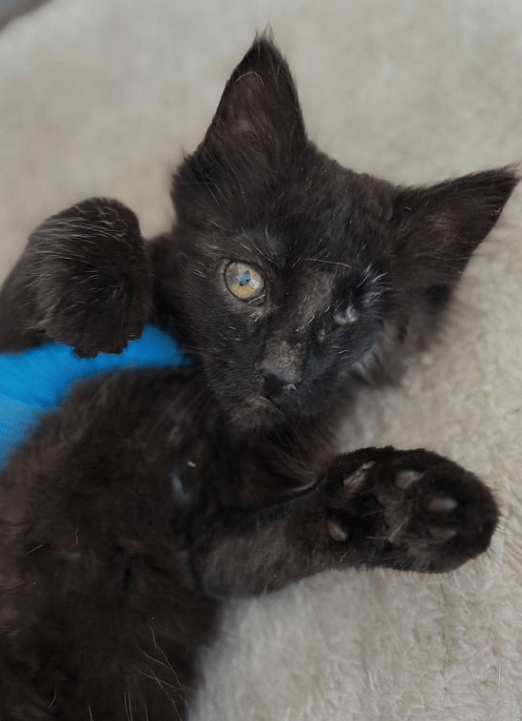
<point>408,510</point>
<point>84,279</point>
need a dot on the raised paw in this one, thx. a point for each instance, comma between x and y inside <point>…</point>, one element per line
<point>412,510</point>
<point>90,278</point>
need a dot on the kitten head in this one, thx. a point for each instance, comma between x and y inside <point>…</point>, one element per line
<point>296,274</point>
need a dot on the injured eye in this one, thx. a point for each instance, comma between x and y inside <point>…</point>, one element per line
<point>346,316</point>
<point>245,282</point>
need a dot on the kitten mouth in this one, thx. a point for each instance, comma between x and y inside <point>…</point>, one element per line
<point>256,413</point>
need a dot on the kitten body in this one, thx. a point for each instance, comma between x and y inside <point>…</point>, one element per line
<point>152,495</point>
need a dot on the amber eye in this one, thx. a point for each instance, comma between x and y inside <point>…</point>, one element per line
<point>245,282</point>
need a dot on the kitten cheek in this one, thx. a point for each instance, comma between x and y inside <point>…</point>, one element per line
<point>361,353</point>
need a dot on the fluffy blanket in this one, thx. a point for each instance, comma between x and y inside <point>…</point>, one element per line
<point>101,97</point>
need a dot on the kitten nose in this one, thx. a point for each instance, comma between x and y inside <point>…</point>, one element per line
<point>274,385</point>
<point>279,377</point>
<point>281,368</point>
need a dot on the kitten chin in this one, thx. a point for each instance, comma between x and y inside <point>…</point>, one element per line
<point>255,414</point>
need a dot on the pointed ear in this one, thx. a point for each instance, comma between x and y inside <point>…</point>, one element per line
<point>255,135</point>
<point>440,226</point>
<point>259,108</point>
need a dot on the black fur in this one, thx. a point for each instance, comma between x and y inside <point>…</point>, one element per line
<point>154,495</point>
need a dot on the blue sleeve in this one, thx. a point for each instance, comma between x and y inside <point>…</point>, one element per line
<point>36,381</point>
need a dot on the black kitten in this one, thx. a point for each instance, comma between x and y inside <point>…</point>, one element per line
<point>153,495</point>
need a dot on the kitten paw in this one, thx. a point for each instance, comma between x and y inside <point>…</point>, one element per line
<point>91,278</point>
<point>408,509</point>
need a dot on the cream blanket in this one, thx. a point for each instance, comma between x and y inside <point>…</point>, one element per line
<point>101,97</point>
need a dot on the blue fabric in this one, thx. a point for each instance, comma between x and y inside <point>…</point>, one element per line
<point>36,381</point>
